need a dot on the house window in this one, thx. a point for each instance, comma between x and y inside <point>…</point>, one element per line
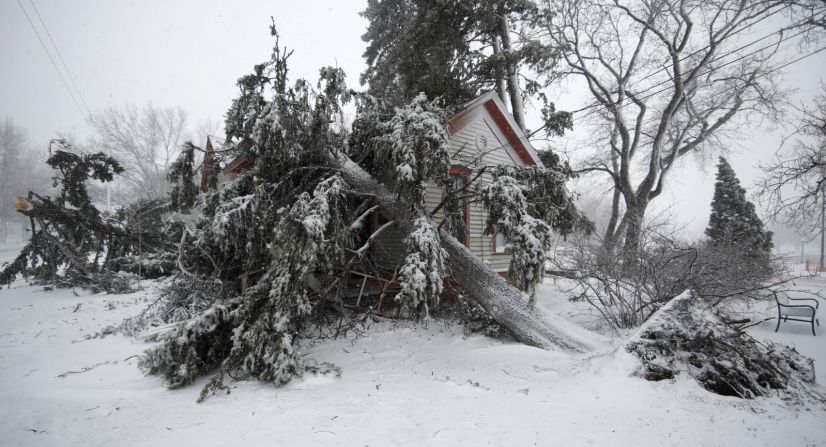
<point>459,182</point>
<point>500,243</point>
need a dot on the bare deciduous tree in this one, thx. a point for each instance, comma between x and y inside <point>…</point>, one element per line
<point>793,189</point>
<point>668,78</point>
<point>145,140</point>
<point>20,171</point>
<point>811,12</point>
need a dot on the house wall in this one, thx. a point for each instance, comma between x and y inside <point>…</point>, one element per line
<point>479,143</point>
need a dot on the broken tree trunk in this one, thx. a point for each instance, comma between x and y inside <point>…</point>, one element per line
<point>507,305</point>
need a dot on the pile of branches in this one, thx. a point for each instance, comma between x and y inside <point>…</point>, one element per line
<point>74,245</point>
<point>688,335</point>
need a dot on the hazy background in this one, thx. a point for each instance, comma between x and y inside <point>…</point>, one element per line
<point>190,53</point>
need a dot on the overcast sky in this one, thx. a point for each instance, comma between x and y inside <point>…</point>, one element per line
<point>189,54</point>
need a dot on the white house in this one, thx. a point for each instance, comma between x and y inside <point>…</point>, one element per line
<point>482,134</point>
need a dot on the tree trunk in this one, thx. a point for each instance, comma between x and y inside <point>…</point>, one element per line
<point>611,227</point>
<point>505,304</point>
<point>822,218</point>
<point>633,220</point>
<point>501,87</point>
<point>514,91</point>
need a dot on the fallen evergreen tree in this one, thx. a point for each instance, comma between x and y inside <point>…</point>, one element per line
<point>286,233</point>
<point>73,245</point>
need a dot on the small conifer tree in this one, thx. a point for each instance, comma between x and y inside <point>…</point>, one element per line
<point>181,176</point>
<point>734,224</point>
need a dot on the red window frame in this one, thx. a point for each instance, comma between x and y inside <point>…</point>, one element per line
<point>464,172</point>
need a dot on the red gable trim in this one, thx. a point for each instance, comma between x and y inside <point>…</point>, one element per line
<point>510,134</point>
<point>237,166</point>
<point>463,118</point>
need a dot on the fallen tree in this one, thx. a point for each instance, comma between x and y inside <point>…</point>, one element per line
<point>285,235</point>
<point>506,304</point>
<point>73,244</point>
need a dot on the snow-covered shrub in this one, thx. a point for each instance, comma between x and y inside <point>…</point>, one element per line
<point>192,347</point>
<point>181,299</point>
<point>626,295</point>
<point>253,335</point>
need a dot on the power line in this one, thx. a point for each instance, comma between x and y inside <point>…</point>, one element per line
<point>699,50</point>
<point>605,107</point>
<point>779,67</point>
<point>51,59</point>
<point>62,61</point>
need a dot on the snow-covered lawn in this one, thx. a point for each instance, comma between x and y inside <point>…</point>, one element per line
<point>402,385</point>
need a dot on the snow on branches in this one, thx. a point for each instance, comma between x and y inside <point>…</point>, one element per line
<point>530,237</point>
<point>181,176</point>
<point>404,150</point>
<point>418,145</point>
<point>423,271</point>
<point>283,235</point>
<point>688,335</point>
<point>74,245</point>
<point>526,204</point>
<point>254,335</point>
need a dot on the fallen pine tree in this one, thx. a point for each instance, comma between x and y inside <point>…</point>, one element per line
<point>283,236</point>
<point>73,244</point>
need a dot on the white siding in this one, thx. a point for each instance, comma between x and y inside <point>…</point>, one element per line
<point>463,147</point>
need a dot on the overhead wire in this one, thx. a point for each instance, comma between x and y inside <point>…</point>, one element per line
<point>62,61</point>
<point>666,66</point>
<point>528,136</point>
<point>51,59</point>
<point>739,58</point>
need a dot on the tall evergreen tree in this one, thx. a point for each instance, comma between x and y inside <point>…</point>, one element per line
<point>734,222</point>
<point>417,46</point>
<point>453,50</point>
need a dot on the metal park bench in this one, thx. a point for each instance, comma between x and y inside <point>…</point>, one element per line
<point>789,309</point>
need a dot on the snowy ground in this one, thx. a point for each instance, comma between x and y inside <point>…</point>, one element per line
<point>403,385</point>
